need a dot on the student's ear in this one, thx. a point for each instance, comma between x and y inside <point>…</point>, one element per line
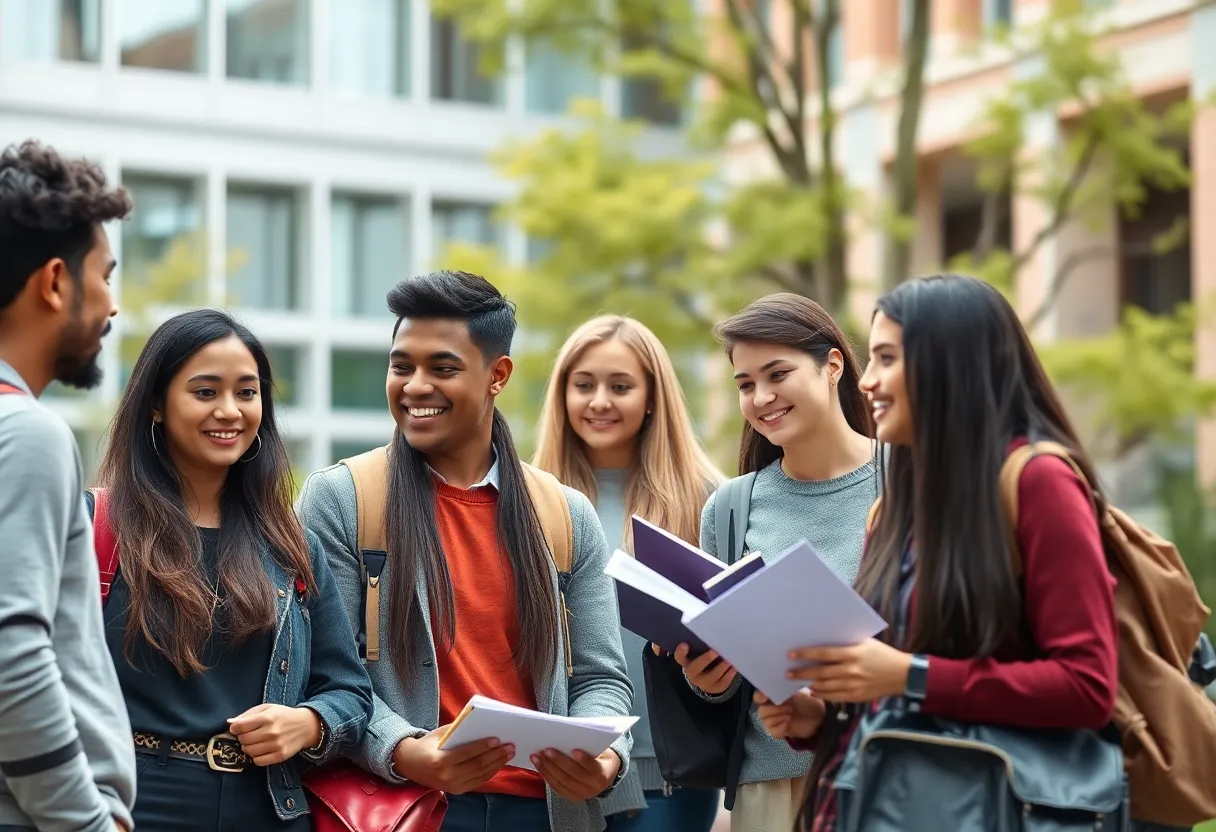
<point>834,366</point>
<point>500,374</point>
<point>50,283</point>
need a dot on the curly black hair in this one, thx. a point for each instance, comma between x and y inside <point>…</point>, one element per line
<point>49,207</point>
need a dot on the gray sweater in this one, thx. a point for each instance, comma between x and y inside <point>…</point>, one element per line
<point>599,687</point>
<point>831,516</point>
<point>645,776</point>
<point>66,750</point>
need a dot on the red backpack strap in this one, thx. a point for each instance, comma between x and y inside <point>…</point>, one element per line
<point>5,387</point>
<point>104,542</point>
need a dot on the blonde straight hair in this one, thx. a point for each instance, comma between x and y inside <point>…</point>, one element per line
<point>671,475</point>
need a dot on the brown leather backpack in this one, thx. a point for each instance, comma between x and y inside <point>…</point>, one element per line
<point>1166,721</point>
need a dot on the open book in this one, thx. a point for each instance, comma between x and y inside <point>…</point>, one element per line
<point>685,567</point>
<point>532,731</point>
<point>795,601</point>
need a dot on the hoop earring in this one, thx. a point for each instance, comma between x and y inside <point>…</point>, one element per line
<point>152,430</point>
<point>258,437</point>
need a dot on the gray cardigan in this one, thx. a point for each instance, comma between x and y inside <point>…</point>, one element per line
<point>599,687</point>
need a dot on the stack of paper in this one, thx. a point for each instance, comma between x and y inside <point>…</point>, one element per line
<point>532,731</point>
<point>796,601</point>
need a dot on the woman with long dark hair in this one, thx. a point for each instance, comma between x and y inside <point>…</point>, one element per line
<point>232,648</point>
<point>955,386</point>
<point>807,443</point>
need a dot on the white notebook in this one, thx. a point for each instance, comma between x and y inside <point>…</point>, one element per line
<point>795,601</point>
<point>532,731</point>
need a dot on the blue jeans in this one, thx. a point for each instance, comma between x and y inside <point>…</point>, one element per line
<point>495,813</point>
<point>684,810</point>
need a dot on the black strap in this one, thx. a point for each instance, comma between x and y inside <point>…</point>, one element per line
<point>735,497</point>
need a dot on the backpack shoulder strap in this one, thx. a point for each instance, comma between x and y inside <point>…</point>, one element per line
<point>872,516</point>
<point>104,541</point>
<point>369,472</point>
<point>553,509</point>
<point>732,504</point>
<point>1011,474</point>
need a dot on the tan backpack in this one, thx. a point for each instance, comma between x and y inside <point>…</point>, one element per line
<point>1166,721</point>
<point>369,471</point>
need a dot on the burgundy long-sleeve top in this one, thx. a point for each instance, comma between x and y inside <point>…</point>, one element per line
<point>1071,678</point>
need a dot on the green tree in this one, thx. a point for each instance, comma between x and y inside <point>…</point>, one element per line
<point>1115,148</point>
<point>634,229</point>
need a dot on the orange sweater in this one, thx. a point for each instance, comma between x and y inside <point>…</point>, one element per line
<point>487,622</point>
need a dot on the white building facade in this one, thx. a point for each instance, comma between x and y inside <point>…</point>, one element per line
<point>289,159</point>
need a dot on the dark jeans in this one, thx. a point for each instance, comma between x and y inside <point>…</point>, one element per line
<point>684,810</point>
<point>174,795</point>
<point>495,813</point>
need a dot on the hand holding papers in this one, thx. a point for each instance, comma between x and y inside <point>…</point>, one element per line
<point>797,601</point>
<point>531,732</point>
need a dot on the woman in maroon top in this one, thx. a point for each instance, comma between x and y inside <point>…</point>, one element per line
<point>955,385</point>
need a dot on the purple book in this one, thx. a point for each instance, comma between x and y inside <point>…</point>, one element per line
<point>657,622</point>
<point>678,561</point>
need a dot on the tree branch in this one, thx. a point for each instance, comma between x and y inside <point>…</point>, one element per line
<point>1061,206</point>
<point>1070,264</point>
<point>916,50</point>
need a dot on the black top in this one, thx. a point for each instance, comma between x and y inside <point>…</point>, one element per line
<point>159,700</point>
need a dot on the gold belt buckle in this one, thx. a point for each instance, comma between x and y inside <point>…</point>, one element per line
<point>223,754</point>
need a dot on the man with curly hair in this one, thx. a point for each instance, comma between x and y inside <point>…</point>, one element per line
<point>66,752</point>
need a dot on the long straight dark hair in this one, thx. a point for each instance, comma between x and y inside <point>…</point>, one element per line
<point>171,600</point>
<point>411,530</point>
<point>798,322</point>
<point>974,383</point>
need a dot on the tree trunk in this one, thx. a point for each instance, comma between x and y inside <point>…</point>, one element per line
<point>834,285</point>
<point>897,251</point>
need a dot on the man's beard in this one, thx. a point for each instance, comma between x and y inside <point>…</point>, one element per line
<point>77,364</point>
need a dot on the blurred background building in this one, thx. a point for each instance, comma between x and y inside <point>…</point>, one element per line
<point>291,159</point>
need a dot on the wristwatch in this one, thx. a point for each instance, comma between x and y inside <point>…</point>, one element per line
<point>918,681</point>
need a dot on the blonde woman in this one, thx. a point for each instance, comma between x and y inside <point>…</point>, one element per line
<point>615,426</point>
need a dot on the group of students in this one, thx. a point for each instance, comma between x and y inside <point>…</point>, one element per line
<point>231,618</point>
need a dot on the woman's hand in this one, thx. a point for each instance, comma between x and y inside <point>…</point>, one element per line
<point>271,734</point>
<point>707,672</point>
<point>799,717</point>
<point>862,673</point>
<point>578,778</point>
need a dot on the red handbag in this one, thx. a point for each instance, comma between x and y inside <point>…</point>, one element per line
<point>344,798</point>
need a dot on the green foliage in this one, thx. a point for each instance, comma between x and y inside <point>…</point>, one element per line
<point>1142,372</point>
<point>1191,526</point>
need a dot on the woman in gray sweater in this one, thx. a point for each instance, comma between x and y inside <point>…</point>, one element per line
<point>615,427</point>
<point>807,438</point>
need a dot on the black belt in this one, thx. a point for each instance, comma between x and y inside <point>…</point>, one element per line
<point>221,753</point>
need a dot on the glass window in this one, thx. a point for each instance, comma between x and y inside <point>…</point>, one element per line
<point>454,68</point>
<point>262,236</point>
<point>836,55</point>
<point>466,222</point>
<point>286,366</point>
<point>163,259</point>
<point>370,246</point>
<point>89,443</point>
<point>268,40</point>
<point>369,48</point>
<point>998,12</point>
<point>553,78</point>
<point>50,30</point>
<point>167,34</point>
<point>357,380</point>
<point>345,449</point>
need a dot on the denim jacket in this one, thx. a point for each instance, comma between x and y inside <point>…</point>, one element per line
<point>314,663</point>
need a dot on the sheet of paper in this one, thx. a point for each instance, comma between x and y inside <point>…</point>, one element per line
<point>532,731</point>
<point>795,601</point>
